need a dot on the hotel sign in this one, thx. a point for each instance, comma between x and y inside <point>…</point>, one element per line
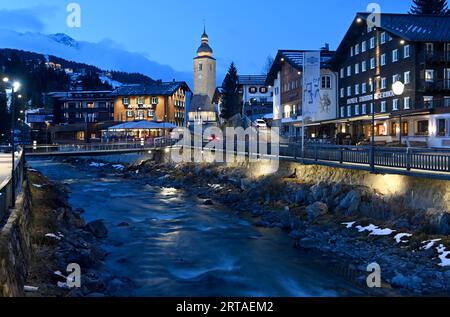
<point>366,98</point>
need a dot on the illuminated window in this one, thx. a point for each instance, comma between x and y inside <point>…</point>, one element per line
<point>383,37</point>
<point>363,66</point>
<point>441,125</point>
<point>326,82</point>
<point>364,109</point>
<point>383,106</point>
<point>363,46</point>
<point>395,104</point>
<point>126,101</point>
<point>423,127</point>
<point>395,55</point>
<point>253,90</point>
<point>429,75</point>
<point>383,59</point>
<point>407,51</point>
<point>407,77</point>
<point>407,103</point>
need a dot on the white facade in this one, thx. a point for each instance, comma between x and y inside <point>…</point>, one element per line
<point>277,108</point>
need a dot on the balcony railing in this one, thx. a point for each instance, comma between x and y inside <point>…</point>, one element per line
<point>436,56</point>
<point>434,86</point>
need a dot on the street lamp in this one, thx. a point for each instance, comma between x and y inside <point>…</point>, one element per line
<point>14,86</point>
<point>399,88</point>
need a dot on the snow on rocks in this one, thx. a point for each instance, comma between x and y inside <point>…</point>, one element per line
<point>368,228</point>
<point>381,232</point>
<point>399,237</point>
<point>37,185</point>
<point>375,230</point>
<point>349,225</point>
<point>58,236</point>
<point>443,253</point>
<point>429,244</point>
<point>215,186</point>
<point>119,167</point>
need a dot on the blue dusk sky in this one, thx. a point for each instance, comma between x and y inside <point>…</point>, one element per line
<point>168,31</point>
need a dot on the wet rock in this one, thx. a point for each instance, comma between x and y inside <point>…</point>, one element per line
<point>208,202</point>
<point>409,282</point>
<point>202,196</point>
<point>306,243</point>
<point>316,209</point>
<point>439,221</point>
<point>123,224</point>
<point>98,229</point>
<point>231,198</point>
<point>301,196</point>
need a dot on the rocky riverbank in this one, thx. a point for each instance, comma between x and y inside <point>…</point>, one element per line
<point>353,226</point>
<point>350,226</point>
<point>60,237</point>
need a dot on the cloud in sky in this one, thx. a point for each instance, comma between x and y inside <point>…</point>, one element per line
<point>27,19</point>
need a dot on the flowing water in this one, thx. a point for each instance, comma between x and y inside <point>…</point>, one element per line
<point>175,246</point>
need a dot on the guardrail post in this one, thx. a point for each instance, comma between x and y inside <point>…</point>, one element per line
<point>316,152</point>
<point>372,159</point>
<point>408,159</point>
<point>341,155</point>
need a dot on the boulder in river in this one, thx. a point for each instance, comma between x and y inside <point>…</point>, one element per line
<point>208,202</point>
<point>98,229</point>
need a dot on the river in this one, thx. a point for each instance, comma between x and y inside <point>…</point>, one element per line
<point>175,246</point>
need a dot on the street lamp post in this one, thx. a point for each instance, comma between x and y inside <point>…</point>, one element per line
<point>399,88</point>
<point>14,86</point>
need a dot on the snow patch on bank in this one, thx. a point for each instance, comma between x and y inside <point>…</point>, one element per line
<point>399,237</point>
<point>349,225</point>
<point>443,253</point>
<point>429,244</point>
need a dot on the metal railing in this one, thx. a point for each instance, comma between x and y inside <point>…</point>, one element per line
<point>98,147</point>
<point>436,160</point>
<point>6,189</point>
<point>406,159</point>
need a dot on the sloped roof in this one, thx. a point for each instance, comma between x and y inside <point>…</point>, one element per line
<point>252,80</point>
<point>410,27</point>
<point>417,28</point>
<point>154,89</point>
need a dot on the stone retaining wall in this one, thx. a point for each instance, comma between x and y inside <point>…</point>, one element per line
<point>15,247</point>
<point>414,192</point>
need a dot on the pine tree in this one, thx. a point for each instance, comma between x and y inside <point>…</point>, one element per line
<point>437,7</point>
<point>230,99</point>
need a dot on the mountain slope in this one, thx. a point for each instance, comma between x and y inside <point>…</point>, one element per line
<point>105,54</point>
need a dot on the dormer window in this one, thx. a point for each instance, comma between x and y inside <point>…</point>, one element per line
<point>253,90</point>
<point>125,101</point>
<point>263,90</point>
<point>140,101</point>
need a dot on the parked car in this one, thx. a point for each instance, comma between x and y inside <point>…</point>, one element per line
<point>260,124</point>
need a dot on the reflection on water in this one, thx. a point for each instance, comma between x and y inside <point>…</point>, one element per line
<point>174,246</point>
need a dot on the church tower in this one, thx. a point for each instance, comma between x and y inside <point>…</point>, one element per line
<point>205,69</point>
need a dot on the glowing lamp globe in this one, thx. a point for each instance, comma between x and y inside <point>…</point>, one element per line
<point>398,88</point>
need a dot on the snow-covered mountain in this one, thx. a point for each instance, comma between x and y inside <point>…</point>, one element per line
<point>105,54</point>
